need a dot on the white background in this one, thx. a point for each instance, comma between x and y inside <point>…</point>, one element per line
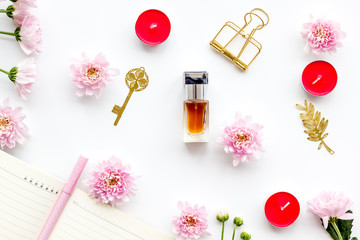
<point>149,134</point>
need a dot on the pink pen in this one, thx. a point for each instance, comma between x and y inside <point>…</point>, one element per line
<point>64,197</point>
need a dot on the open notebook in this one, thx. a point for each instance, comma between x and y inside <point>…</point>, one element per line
<point>27,197</point>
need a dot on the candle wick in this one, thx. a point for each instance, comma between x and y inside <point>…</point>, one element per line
<point>153,26</point>
<point>316,80</point>
<point>287,204</point>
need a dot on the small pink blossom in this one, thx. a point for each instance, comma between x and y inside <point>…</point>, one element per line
<point>111,182</point>
<point>331,204</point>
<point>242,139</point>
<point>92,76</point>
<point>192,222</point>
<point>23,76</point>
<point>322,36</point>
<point>12,128</point>
<point>19,13</point>
<point>29,35</point>
<point>30,3</point>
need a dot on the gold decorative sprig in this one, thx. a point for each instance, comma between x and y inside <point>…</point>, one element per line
<point>315,127</point>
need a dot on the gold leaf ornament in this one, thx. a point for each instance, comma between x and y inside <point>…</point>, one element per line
<point>315,125</point>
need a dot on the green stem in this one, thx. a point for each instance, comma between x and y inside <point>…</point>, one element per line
<point>234,232</point>
<point>222,231</point>
<point>7,73</point>
<point>3,11</point>
<point>336,229</point>
<point>7,33</point>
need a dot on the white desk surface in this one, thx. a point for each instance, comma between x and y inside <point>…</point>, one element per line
<point>149,135</point>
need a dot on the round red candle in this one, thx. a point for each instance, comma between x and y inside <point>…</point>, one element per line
<point>282,209</point>
<point>153,27</point>
<point>319,78</point>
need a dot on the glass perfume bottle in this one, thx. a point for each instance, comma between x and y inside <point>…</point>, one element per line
<point>196,107</point>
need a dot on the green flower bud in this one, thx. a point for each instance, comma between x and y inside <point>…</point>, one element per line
<point>222,215</point>
<point>245,236</point>
<point>238,221</point>
<point>12,74</point>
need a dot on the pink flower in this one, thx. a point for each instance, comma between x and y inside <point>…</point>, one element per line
<point>19,13</point>
<point>30,3</point>
<point>12,128</point>
<point>111,182</point>
<point>322,36</point>
<point>23,76</point>
<point>331,204</point>
<point>29,35</point>
<point>192,222</point>
<point>242,139</point>
<point>92,76</point>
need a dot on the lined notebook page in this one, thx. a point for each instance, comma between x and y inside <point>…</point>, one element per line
<point>27,197</point>
<point>83,218</point>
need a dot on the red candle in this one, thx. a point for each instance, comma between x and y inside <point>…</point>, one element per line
<point>153,27</point>
<point>319,78</point>
<point>282,209</point>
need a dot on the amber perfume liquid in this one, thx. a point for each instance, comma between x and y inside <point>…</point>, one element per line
<point>196,120</point>
<point>196,116</point>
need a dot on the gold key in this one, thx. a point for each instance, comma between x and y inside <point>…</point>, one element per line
<point>136,80</point>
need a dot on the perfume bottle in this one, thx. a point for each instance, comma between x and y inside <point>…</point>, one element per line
<point>196,108</point>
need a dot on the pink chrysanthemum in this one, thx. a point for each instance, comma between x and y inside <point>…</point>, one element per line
<point>12,128</point>
<point>19,13</point>
<point>29,35</point>
<point>242,139</point>
<point>331,204</point>
<point>111,182</point>
<point>30,3</point>
<point>322,36</point>
<point>23,76</point>
<point>192,222</point>
<point>92,76</point>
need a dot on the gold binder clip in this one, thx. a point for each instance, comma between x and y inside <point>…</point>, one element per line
<point>242,48</point>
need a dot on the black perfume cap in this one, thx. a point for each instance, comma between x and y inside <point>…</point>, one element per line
<point>200,77</point>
